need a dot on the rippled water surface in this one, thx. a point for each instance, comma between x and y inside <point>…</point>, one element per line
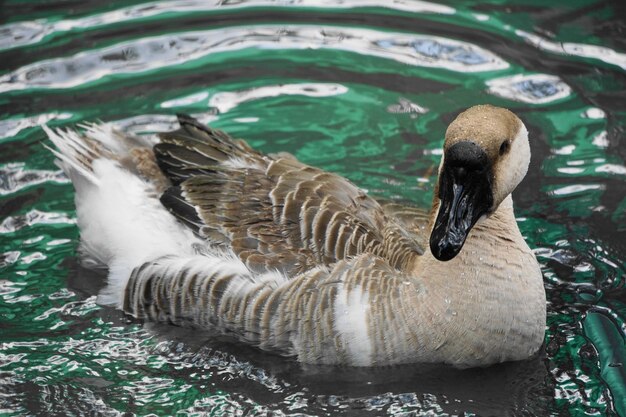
<point>360,87</point>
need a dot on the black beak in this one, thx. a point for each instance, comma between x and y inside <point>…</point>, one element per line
<point>465,195</point>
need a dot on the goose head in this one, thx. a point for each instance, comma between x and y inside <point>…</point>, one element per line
<point>485,156</point>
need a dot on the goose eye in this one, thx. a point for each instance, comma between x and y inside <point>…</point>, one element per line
<point>504,148</point>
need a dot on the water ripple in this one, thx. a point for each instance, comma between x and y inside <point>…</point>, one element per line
<point>575,189</point>
<point>11,127</point>
<point>404,404</point>
<point>221,404</point>
<point>9,287</point>
<point>13,177</point>
<point>533,89</point>
<point>186,100</point>
<point>8,359</point>
<point>73,399</point>
<point>594,113</point>
<point>226,101</point>
<point>72,308</point>
<point>147,390</point>
<point>168,50</point>
<point>222,363</point>
<point>19,34</point>
<point>32,257</point>
<point>612,169</point>
<point>13,223</point>
<point>601,140</point>
<point>406,106</point>
<point>9,258</point>
<point>601,53</point>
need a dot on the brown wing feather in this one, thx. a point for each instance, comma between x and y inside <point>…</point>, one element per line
<point>275,214</point>
<point>413,220</point>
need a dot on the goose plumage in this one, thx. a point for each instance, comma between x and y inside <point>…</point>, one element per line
<point>201,229</point>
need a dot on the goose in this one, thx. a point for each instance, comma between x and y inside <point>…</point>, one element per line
<point>200,229</point>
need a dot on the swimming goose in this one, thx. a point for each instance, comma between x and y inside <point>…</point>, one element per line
<point>201,229</point>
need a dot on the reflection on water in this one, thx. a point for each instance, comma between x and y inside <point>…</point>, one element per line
<point>13,177</point>
<point>11,127</point>
<point>358,87</point>
<point>535,89</point>
<point>226,101</point>
<point>163,51</point>
<point>602,53</point>
<point>18,34</point>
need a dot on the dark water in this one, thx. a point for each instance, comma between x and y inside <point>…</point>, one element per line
<point>359,87</point>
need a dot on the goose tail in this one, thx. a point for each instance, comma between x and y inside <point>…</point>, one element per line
<point>121,220</point>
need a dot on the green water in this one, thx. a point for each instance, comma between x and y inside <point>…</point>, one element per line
<point>356,88</point>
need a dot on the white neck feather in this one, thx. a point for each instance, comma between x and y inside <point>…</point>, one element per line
<point>511,168</point>
<point>496,287</point>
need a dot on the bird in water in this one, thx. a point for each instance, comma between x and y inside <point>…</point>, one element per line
<point>200,229</point>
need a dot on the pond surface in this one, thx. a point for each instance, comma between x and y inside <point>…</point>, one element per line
<point>362,88</point>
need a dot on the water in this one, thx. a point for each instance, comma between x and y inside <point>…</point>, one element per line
<point>362,88</point>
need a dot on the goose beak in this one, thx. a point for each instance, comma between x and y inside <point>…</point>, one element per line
<point>465,195</point>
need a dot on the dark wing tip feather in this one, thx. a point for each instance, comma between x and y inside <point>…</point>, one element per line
<point>200,134</point>
<point>191,126</point>
<point>175,202</point>
<point>185,119</point>
<point>179,162</point>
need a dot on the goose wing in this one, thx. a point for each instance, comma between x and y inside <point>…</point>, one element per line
<point>274,213</point>
<point>413,220</point>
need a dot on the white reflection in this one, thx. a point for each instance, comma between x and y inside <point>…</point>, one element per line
<point>612,169</point>
<point>602,53</point>
<point>594,113</point>
<point>9,287</point>
<point>534,89</point>
<point>8,258</point>
<point>565,150</point>
<point>17,34</point>
<point>57,242</point>
<point>11,127</point>
<point>246,119</point>
<point>33,257</point>
<point>226,101</point>
<point>406,106</point>
<point>601,140</point>
<point>569,170</point>
<point>13,177</point>
<point>151,53</point>
<point>12,223</point>
<point>577,188</point>
<point>185,101</point>
<point>577,162</point>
